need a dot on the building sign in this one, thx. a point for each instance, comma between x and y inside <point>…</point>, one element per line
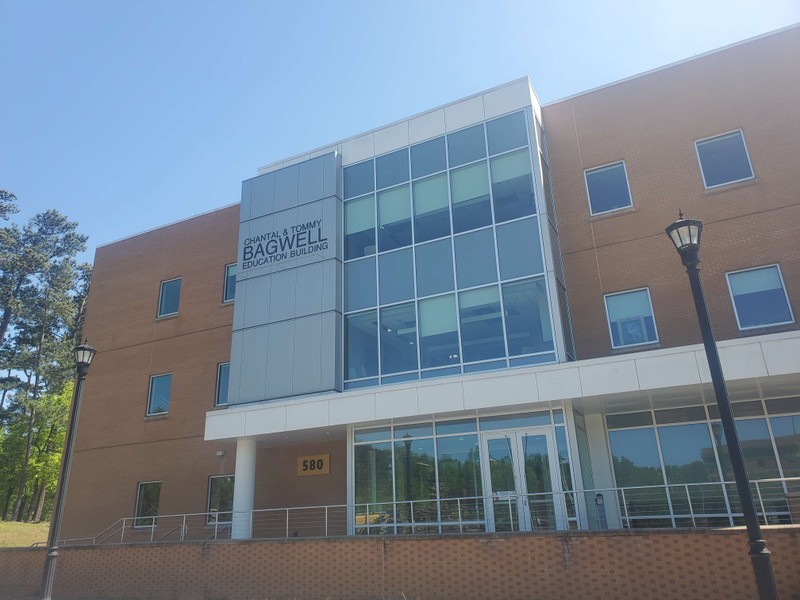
<point>295,241</point>
<point>318,464</point>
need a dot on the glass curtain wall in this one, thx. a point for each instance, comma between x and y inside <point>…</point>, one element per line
<point>444,271</point>
<point>676,467</point>
<point>426,477</point>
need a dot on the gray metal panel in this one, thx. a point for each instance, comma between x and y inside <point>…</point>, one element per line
<point>308,340</point>
<point>311,184</point>
<point>331,286</point>
<point>239,307</point>
<point>280,360</point>
<point>282,295</point>
<point>286,187</point>
<point>331,175</point>
<point>257,301</point>
<point>329,351</point>
<point>244,206</point>
<point>308,290</point>
<point>253,358</point>
<point>263,196</point>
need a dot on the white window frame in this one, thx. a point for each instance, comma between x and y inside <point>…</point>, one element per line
<point>717,136</point>
<point>209,520</point>
<point>216,390</point>
<point>136,516</point>
<point>627,184</point>
<point>150,392</point>
<point>159,314</point>
<point>225,285</point>
<point>652,314</point>
<point>785,295</point>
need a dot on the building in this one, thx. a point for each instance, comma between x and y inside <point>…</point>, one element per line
<point>468,320</point>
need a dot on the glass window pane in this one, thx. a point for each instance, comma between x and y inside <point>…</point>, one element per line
<point>223,378</point>
<point>459,470</point>
<point>782,406</point>
<point>394,218</point>
<point>481,324</point>
<point>475,260</point>
<point>373,481</point>
<point>361,345</point>
<point>415,479</point>
<point>434,268</point>
<point>759,297</point>
<point>359,227</point>
<point>392,169</point>
<point>629,420</point>
<point>230,283</point>
<point>635,455</point>
<point>359,179</point>
<point>169,298</point>
<point>548,192</point>
<point>147,499</point>
<point>438,332</point>
<point>688,454</point>
<point>724,159</point>
<point>466,145</point>
<point>759,457</point>
<point>375,434</point>
<point>220,498</point>
<point>460,426</point>
<point>415,430</point>
<point>428,157</point>
<point>431,208</point>
<point>507,133</point>
<point>787,439</point>
<point>533,419</point>
<point>396,273</point>
<point>360,288</point>
<point>469,190</point>
<point>630,319</point>
<point>158,403</point>
<point>680,415</point>
<point>528,328</point>
<point>520,249</point>
<point>512,186</point>
<point>608,188</point>
<point>398,339</point>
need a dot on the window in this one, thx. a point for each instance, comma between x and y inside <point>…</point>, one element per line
<point>469,190</point>
<point>724,159</point>
<point>230,283</point>
<point>223,377</point>
<point>438,332</point>
<point>147,495</point>
<point>359,179</point>
<point>507,133</point>
<point>396,281</point>
<point>394,218</point>
<point>361,343</point>
<point>475,261</point>
<point>428,157</point>
<point>466,146</point>
<point>512,186</point>
<point>220,498</point>
<point>608,188</point>
<point>170,297</point>
<point>360,284</point>
<point>434,268</point>
<point>759,297</point>
<point>398,339</point>
<point>630,318</point>
<point>391,169</point>
<point>359,227</point>
<point>431,208</point>
<point>158,401</point>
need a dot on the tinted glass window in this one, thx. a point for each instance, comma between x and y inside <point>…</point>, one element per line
<point>465,146</point>
<point>630,319</point>
<point>147,499</point>
<point>392,169</point>
<point>724,159</point>
<point>528,327</point>
<point>230,283</point>
<point>475,260</point>
<point>361,345</point>
<point>469,190</point>
<point>635,456</point>
<point>428,157</point>
<point>220,499</point>
<point>169,298</point>
<point>359,179</point>
<point>431,208</point>
<point>507,133</point>
<point>223,377</point>
<point>688,454</point>
<point>438,332</point>
<point>608,188</point>
<point>512,186</point>
<point>396,274</point>
<point>359,284</point>
<point>158,403</point>
<point>759,298</point>
<point>787,439</point>
<point>481,324</point>
<point>434,268</point>
<point>398,338</point>
<point>394,218</point>
<point>519,249</point>
<point>359,227</point>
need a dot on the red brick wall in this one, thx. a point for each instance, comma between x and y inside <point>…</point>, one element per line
<point>587,565</point>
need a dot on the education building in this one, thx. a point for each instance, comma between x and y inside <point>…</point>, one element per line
<point>467,320</point>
